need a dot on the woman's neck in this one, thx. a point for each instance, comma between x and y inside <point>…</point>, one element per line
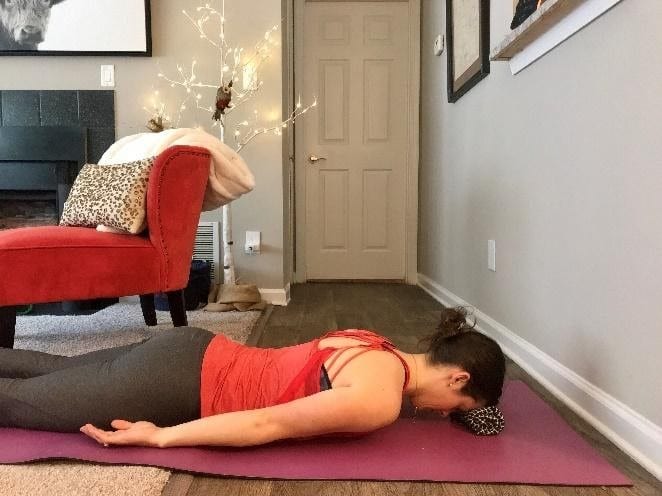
<point>417,364</point>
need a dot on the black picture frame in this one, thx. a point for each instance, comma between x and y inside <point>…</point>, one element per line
<point>457,86</point>
<point>109,14</point>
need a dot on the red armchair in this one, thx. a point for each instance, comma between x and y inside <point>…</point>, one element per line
<point>56,263</point>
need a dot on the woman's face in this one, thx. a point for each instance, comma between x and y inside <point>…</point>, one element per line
<point>445,395</point>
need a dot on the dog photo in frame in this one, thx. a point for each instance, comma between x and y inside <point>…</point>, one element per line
<point>75,27</point>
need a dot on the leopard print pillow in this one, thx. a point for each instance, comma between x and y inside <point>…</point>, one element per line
<point>112,195</point>
<point>485,421</point>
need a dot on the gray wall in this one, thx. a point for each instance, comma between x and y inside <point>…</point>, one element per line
<point>561,166</point>
<point>175,41</point>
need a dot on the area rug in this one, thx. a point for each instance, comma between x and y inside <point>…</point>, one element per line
<point>536,447</point>
<point>116,325</point>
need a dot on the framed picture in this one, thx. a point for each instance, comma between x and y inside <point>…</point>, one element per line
<point>75,27</point>
<point>468,39</point>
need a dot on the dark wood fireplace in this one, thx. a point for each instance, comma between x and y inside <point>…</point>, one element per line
<point>38,166</point>
<point>46,136</point>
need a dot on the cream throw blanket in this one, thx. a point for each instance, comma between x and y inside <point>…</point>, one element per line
<point>229,176</point>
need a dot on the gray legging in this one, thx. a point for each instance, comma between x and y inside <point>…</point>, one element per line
<point>157,380</point>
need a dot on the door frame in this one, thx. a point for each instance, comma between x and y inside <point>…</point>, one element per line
<point>298,212</point>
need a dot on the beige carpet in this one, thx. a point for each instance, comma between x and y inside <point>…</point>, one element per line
<point>117,325</point>
<point>74,479</point>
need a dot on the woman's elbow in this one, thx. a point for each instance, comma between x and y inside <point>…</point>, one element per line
<point>373,420</point>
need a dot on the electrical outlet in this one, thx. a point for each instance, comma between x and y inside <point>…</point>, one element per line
<point>491,255</point>
<point>252,246</point>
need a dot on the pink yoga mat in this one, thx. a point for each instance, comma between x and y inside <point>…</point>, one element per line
<point>536,447</point>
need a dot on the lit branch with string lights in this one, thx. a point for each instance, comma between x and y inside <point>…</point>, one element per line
<point>228,97</point>
<point>233,63</point>
<point>190,85</point>
<point>243,138</point>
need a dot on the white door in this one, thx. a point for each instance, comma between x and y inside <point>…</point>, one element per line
<point>354,149</point>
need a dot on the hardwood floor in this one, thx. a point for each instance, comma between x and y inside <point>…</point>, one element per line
<point>405,314</point>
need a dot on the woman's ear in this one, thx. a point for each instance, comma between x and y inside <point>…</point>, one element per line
<point>459,379</point>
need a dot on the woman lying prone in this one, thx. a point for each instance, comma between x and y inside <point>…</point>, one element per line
<point>189,387</point>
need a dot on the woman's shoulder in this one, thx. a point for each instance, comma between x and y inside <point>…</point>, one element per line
<point>372,369</point>
<point>346,338</point>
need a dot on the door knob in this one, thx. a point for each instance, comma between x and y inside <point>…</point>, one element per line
<point>314,159</point>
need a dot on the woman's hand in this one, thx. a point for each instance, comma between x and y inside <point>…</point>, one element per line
<point>127,433</point>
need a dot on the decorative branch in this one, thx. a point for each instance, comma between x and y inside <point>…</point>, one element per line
<point>242,139</point>
<point>233,64</point>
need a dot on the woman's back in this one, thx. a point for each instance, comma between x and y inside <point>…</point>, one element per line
<point>237,377</point>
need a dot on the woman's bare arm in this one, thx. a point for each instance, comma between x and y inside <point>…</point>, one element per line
<point>367,398</point>
<point>346,409</point>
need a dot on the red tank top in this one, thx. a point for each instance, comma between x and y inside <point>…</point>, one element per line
<point>236,377</point>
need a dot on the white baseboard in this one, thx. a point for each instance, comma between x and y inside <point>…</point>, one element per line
<point>280,297</point>
<point>630,431</point>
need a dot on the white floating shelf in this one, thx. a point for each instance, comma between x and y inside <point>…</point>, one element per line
<point>550,25</point>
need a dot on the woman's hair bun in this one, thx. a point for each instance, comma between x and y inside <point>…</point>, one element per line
<point>453,321</point>
<point>457,343</point>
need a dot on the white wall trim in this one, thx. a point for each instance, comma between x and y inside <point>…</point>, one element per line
<point>280,297</point>
<point>581,16</point>
<point>413,152</point>
<point>299,266</point>
<point>629,430</point>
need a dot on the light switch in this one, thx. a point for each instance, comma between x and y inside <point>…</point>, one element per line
<point>108,75</point>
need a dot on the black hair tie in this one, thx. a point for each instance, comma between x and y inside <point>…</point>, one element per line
<point>486,421</point>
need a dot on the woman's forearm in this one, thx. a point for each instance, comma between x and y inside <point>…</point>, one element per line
<point>245,428</point>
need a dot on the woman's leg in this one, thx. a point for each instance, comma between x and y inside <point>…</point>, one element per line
<point>21,364</point>
<point>156,380</point>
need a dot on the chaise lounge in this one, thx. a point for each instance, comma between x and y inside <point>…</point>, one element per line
<point>58,263</point>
